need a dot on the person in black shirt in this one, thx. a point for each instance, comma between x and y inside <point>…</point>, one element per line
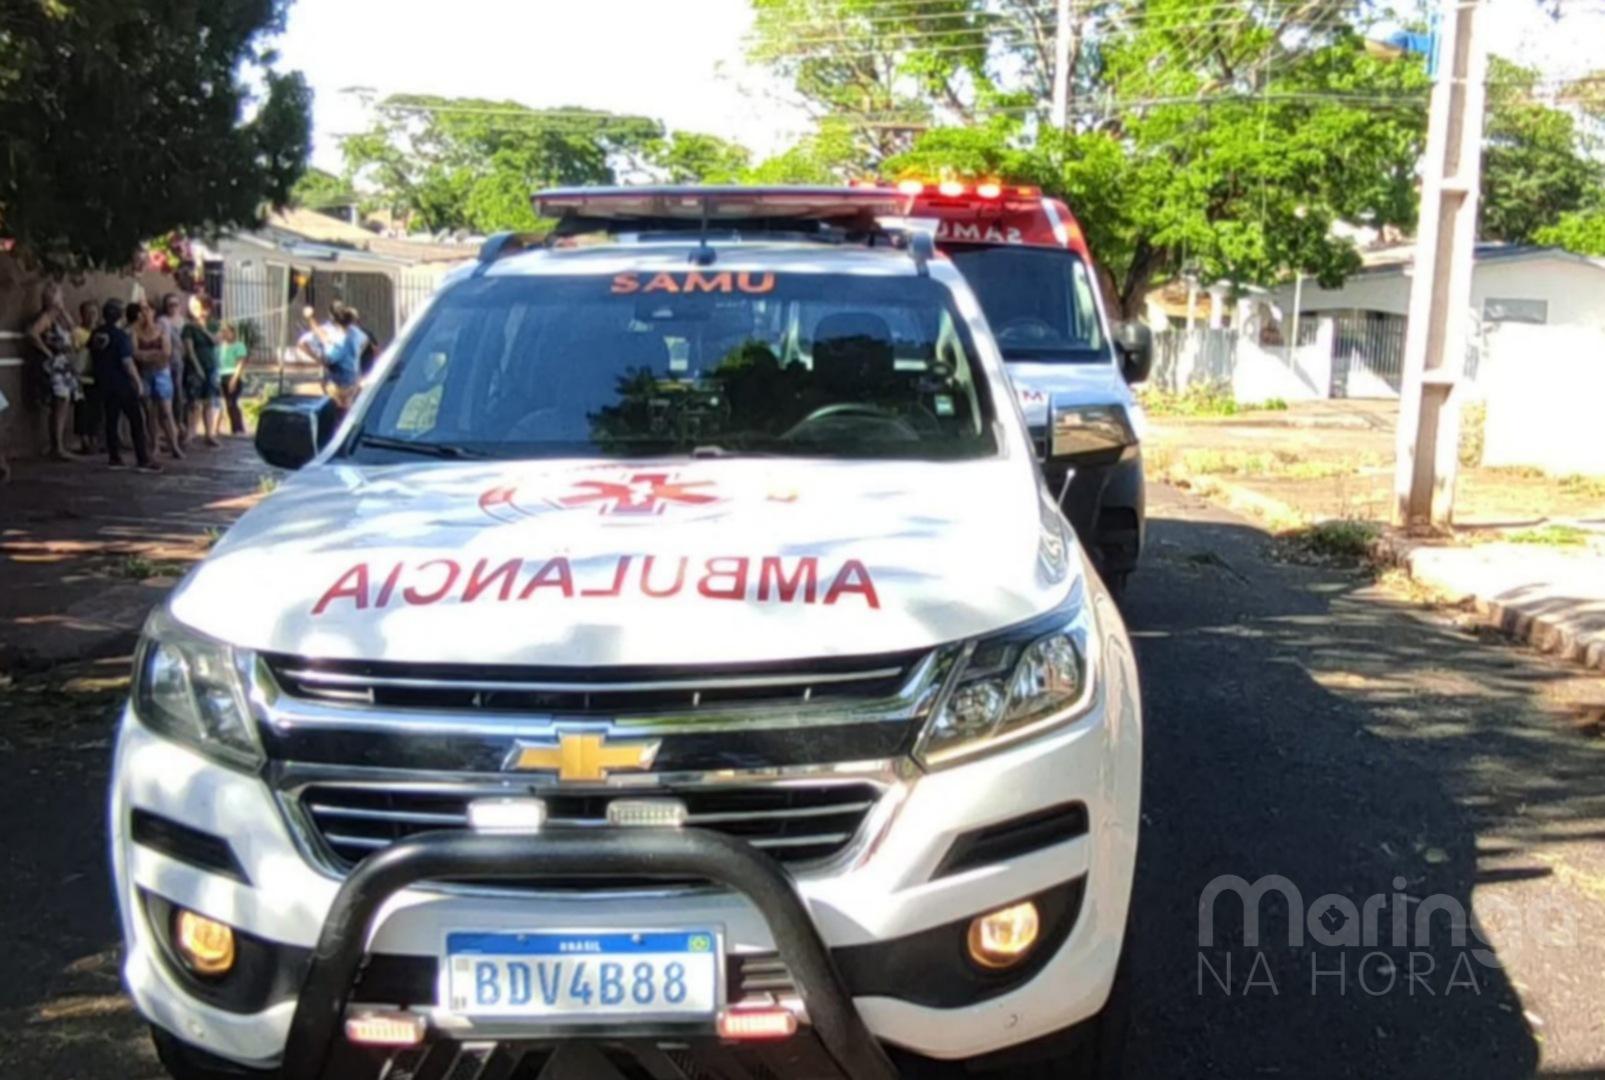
<point>111,351</point>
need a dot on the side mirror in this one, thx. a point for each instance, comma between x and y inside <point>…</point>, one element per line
<point>1135,343</point>
<point>293,428</point>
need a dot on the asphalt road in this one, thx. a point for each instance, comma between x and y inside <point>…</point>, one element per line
<point>1301,722</point>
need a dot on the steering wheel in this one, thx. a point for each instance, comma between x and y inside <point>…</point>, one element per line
<point>1027,328</point>
<point>850,414</point>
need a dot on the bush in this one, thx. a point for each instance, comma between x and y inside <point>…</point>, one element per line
<point>1473,420</point>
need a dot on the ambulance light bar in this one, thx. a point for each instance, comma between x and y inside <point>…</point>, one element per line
<point>721,203</point>
<point>986,190</point>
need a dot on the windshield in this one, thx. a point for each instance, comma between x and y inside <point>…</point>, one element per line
<point>1039,301</point>
<point>687,362</point>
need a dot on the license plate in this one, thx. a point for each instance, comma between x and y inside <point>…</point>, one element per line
<point>584,976</point>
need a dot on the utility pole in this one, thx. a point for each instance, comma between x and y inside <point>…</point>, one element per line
<point>1440,292</point>
<point>1061,68</point>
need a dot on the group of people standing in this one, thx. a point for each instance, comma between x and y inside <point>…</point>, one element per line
<point>169,376</point>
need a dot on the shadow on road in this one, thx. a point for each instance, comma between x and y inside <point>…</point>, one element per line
<point>1298,724</point>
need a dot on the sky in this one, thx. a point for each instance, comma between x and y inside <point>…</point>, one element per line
<point>680,61</point>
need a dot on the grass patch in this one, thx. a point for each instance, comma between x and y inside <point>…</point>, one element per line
<point>267,484</point>
<point>1343,541</point>
<point>1282,463</point>
<point>251,408</point>
<point>1551,536</point>
<point>1516,472</point>
<point>1194,401</point>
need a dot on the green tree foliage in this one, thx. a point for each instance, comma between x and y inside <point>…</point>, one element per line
<point>881,63</point>
<point>468,163</point>
<point>830,155</point>
<point>690,158</point>
<point>1582,232</point>
<point>1534,168</point>
<point>1229,146</point>
<point>125,121</point>
<point>319,188</point>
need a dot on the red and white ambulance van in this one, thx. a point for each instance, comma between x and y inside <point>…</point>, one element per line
<point>1026,259</point>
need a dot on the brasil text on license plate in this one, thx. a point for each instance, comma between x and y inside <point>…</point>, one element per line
<point>582,975</point>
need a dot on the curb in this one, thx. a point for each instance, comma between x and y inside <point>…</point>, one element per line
<point>1544,632</point>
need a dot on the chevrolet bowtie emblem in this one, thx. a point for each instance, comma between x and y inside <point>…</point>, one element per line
<point>580,757</point>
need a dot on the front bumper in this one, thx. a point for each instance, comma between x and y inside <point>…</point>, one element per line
<point>895,893</point>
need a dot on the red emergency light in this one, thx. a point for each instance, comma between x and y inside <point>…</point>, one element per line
<point>722,203</point>
<point>989,211</point>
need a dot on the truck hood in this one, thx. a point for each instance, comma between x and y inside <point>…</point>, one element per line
<point>586,563</point>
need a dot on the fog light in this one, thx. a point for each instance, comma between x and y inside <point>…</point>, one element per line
<point>749,1025</point>
<point>1004,937</point>
<point>205,945</point>
<point>386,1029</point>
<point>507,814</point>
<point>660,813</point>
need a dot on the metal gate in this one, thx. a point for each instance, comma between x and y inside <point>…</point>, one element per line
<point>1367,354</point>
<point>256,297</point>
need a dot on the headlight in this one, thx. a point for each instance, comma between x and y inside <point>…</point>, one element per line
<point>1013,685</point>
<point>191,689</point>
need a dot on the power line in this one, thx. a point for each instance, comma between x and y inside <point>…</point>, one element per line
<point>803,46</point>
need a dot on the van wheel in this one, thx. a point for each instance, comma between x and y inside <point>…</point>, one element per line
<point>185,1062</point>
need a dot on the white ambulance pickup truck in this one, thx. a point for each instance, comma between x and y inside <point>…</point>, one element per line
<point>673,666</point>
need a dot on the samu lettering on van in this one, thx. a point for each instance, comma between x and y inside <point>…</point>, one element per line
<point>975,233</point>
<point>770,579</point>
<point>694,281</point>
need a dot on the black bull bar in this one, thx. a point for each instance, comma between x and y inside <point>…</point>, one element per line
<point>320,1009</point>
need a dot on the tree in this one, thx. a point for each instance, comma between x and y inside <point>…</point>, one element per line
<point>1582,231</point>
<point>128,121</point>
<point>687,157</point>
<point>1534,169</point>
<point>883,68</point>
<point>469,163</point>
<point>319,188</point>
<point>1225,145</point>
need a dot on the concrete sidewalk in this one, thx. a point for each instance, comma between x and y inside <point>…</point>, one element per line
<point>1552,598</point>
<point>1301,467</point>
<point>85,552</point>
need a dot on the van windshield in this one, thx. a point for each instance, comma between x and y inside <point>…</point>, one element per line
<point>1039,302</point>
<point>684,362</point>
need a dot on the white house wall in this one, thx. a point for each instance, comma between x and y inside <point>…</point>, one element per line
<point>1574,291</point>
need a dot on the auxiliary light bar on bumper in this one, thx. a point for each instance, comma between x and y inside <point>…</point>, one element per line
<point>320,1009</point>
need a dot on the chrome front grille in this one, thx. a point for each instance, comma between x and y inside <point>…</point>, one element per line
<point>591,691</point>
<point>796,823</point>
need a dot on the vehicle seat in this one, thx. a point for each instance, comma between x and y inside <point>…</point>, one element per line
<point>853,357</point>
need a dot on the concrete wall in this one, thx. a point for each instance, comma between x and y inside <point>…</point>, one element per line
<point>1575,291</point>
<point>22,431</point>
<point>1544,389</point>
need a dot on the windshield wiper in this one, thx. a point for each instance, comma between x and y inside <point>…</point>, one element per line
<point>423,449</point>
